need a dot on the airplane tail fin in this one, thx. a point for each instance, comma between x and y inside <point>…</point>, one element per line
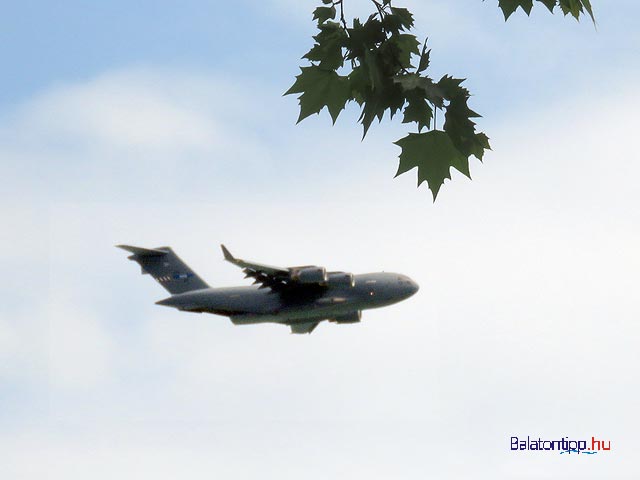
<point>166,268</point>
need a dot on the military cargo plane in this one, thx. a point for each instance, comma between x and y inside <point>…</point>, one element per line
<point>300,297</point>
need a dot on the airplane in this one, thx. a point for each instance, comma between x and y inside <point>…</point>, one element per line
<point>300,297</point>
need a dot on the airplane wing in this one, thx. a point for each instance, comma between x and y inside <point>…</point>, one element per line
<point>258,267</point>
<point>277,278</point>
<point>303,327</point>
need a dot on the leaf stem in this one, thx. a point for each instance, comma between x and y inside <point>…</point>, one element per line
<point>342,20</point>
<point>380,8</point>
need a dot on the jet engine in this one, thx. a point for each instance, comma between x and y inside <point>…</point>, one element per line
<point>351,317</point>
<point>308,274</point>
<point>341,278</point>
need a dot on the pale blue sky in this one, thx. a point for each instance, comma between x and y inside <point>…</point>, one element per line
<point>45,43</point>
<point>158,123</point>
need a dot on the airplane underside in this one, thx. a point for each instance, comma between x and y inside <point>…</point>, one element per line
<point>298,324</point>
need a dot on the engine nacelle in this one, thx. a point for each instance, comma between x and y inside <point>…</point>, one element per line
<point>341,278</point>
<point>352,317</point>
<point>308,275</point>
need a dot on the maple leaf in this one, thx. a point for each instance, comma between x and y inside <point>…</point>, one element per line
<point>573,7</point>
<point>433,153</point>
<point>320,88</point>
<point>375,58</point>
<point>322,14</point>
<point>418,110</point>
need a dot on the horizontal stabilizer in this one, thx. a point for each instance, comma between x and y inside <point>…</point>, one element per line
<point>166,268</point>
<point>143,251</point>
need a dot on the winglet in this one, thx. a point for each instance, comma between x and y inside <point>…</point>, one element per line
<point>227,254</point>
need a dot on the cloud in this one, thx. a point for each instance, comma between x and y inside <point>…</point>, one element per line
<point>22,351</point>
<point>81,354</point>
<point>120,111</point>
<point>524,323</point>
<point>126,130</point>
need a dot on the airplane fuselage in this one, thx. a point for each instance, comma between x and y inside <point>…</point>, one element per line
<point>252,304</point>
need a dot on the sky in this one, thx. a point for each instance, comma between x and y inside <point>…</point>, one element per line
<point>158,123</point>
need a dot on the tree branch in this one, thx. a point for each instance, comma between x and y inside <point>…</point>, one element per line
<point>380,8</point>
<point>342,20</point>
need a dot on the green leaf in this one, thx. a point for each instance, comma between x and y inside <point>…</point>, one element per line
<point>409,81</point>
<point>392,23</point>
<point>405,17</point>
<point>573,7</point>
<point>589,9</point>
<point>360,84</point>
<point>483,141</point>
<point>364,37</point>
<point>373,107</point>
<point>510,6</point>
<point>322,14</point>
<point>372,64</point>
<point>394,98</point>
<point>576,7</point>
<point>458,124</point>
<point>328,49</point>
<point>433,154</point>
<point>451,87</point>
<point>407,45</point>
<point>419,111</point>
<point>424,58</point>
<point>380,77</point>
<point>526,5</point>
<point>429,90</point>
<point>550,4</point>
<point>375,103</point>
<point>320,88</point>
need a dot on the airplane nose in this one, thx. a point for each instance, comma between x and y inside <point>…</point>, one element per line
<point>411,287</point>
